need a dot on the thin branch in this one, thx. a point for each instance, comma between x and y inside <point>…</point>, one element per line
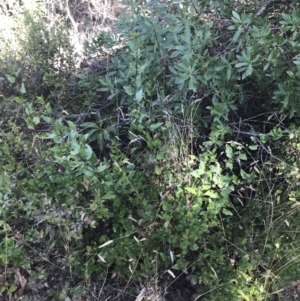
<point>264,7</point>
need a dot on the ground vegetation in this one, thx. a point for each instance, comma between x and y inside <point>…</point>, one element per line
<point>149,151</point>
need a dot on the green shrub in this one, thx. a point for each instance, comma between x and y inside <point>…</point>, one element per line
<point>178,163</point>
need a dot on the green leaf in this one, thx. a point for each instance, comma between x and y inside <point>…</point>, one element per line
<point>139,95</point>
<point>160,156</point>
<point>129,90</point>
<point>48,135</point>
<point>219,68</point>
<point>93,159</point>
<point>88,152</point>
<point>158,170</point>
<point>22,89</point>
<point>12,289</point>
<point>194,247</point>
<point>5,259</point>
<point>88,171</point>
<point>228,73</point>
<point>245,175</point>
<point>231,27</point>
<point>19,100</point>
<point>249,70</point>
<point>247,298</point>
<point>46,118</point>
<point>101,168</point>
<point>132,46</point>
<point>8,167</point>
<point>243,157</point>
<point>89,125</point>
<point>211,194</point>
<point>236,35</point>
<point>155,126</point>
<point>238,65</point>
<point>109,196</point>
<point>236,16</point>
<point>228,151</point>
<point>226,212</point>
<point>266,66</point>
<point>40,100</point>
<point>191,84</point>
<point>253,147</point>
<point>172,70</point>
<point>192,190</point>
<point>291,74</point>
<point>10,78</point>
<point>198,172</point>
<point>29,123</point>
<point>76,149</point>
<point>36,120</point>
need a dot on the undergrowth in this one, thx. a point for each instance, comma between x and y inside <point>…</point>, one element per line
<point>172,160</point>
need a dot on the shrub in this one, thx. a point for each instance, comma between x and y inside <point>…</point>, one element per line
<point>177,163</point>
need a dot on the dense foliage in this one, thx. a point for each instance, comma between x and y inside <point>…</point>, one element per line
<point>178,155</point>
